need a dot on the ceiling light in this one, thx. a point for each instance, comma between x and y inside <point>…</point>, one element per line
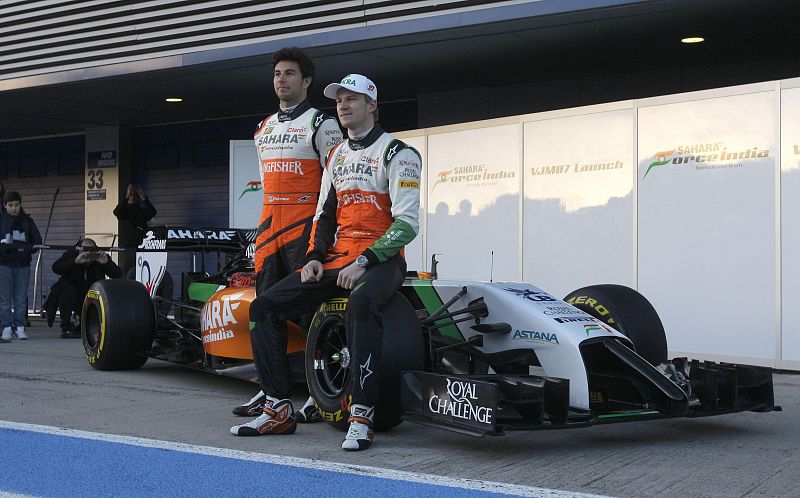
<point>693,39</point>
<point>174,99</point>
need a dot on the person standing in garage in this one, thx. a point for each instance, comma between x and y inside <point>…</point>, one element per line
<point>133,214</point>
<point>17,233</point>
<point>292,145</point>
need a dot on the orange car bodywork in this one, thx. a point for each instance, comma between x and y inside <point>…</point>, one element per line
<point>225,325</point>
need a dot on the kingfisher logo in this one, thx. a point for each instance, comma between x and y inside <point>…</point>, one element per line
<point>294,167</point>
<point>705,156</point>
<point>472,175</point>
<point>250,187</point>
<point>357,198</point>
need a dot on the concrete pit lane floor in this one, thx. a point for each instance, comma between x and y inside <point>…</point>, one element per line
<point>47,381</point>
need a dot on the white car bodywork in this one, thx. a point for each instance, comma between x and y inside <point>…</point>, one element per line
<point>553,329</point>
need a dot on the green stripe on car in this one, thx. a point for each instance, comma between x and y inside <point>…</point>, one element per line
<point>432,302</point>
<point>201,291</point>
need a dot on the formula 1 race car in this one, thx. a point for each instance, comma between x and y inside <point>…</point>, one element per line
<point>478,358</point>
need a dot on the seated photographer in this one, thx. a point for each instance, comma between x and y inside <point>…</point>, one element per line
<point>78,270</point>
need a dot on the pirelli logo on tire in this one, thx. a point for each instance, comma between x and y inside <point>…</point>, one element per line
<point>334,305</point>
<point>600,311</point>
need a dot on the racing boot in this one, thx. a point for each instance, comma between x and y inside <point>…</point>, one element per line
<point>277,418</point>
<point>359,435</point>
<point>309,413</point>
<point>252,408</point>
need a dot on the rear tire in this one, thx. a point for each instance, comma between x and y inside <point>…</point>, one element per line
<point>627,311</point>
<point>117,325</point>
<point>327,361</point>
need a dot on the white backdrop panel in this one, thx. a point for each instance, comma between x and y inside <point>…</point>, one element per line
<point>473,202</point>
<point>578,214</point>
<point>706,222</point>
<point>245,195</point>
<point>790,222</point>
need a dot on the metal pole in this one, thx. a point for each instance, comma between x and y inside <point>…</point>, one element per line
<point>37,275</point>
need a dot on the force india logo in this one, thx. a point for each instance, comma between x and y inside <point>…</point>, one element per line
<point>460,403</point>
<point>704,157</point>
<point>475,174</point>
<point>250,187</point>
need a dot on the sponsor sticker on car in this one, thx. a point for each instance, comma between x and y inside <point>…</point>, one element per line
<point>460,400</point>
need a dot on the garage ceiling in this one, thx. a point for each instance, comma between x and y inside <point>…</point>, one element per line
<point>639,38</point>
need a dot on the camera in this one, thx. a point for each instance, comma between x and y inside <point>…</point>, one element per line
<point>92,256</point>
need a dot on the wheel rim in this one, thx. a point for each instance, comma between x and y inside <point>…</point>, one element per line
<point>93,327</point>
<point>332,358</point>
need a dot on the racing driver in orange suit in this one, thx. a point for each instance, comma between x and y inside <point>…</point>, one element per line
<point>291,145</point>
<point>367,213</point>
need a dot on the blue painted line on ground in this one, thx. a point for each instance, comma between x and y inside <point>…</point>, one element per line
<point>56,462</point>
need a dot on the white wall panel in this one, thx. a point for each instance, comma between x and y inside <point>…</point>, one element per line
<point>245,194</point>
<point>790,222</point>
<point>578,213</point>
<point>706,222</point>
<point>473,202</point>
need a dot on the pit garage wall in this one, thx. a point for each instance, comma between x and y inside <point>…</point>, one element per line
<point>689,198</point>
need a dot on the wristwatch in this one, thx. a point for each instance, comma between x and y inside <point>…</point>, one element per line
<point>362,261</point>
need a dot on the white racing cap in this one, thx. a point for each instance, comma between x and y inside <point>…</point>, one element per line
<point>355,83</point>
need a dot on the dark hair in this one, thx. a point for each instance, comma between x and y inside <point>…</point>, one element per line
<point>12,196</point>
<point>376,113</point>
<point>294,54</point>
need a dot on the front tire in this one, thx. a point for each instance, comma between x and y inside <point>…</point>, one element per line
<point>328,360</point>
<point>627,311</point>
<point>117,325</point>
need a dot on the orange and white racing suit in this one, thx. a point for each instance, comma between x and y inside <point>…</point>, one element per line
<point>291,147</point>
<point>369,204</point>
<point>369,201</point>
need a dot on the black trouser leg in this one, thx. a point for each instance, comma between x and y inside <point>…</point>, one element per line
<point>127,261</point>
<point>68,302</point>
<point>365,325</point>
<point>284,261</point>
<point>286,299</point>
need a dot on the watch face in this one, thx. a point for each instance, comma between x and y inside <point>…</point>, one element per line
<point>362,261</point>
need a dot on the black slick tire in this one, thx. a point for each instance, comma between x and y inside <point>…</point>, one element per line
<point>627,311</point>
<point>327,360</point>
<point>117,325</point>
